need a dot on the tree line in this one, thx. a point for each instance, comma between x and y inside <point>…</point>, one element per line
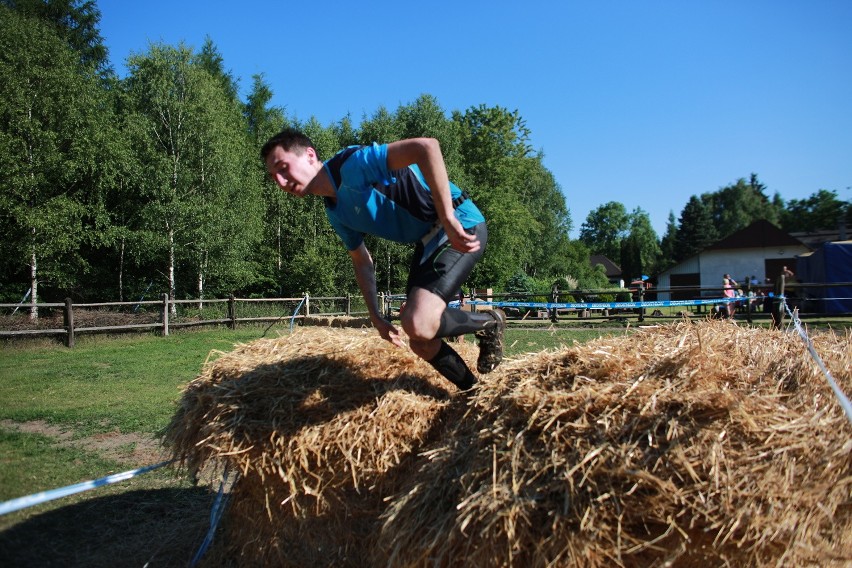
<point>629,239</point>
<point>122,188</point>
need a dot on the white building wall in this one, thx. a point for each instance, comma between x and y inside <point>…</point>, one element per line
<point>740,263</point>
<point>691,265</point>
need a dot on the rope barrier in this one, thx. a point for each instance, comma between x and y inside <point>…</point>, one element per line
<point>215,516</point>
<point>299,307</point>
<point>292,319</point>
<point>841,397</point>
<point>45,496</point>
<point>53,494</point>
<point>603,305</point>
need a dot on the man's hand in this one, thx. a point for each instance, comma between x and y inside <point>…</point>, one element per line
<point>388,331</point>
<point>460,239</point>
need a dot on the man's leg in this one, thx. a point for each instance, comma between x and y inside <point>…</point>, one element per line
<point>426,320</point>
<point>432,283</point>
<point>421,319</point>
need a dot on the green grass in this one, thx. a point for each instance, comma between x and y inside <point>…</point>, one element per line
<point>31,463</point>
<point>521,341</point>
<point>35,462</point>
<point>127,383</point>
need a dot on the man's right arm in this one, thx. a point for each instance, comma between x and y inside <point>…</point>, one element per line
<point>365,275</point>
<point>426,153</point>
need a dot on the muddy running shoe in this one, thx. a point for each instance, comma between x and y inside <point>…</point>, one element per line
<point>491,342</point>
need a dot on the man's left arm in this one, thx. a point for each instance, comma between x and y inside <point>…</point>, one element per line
<point>426,153</point>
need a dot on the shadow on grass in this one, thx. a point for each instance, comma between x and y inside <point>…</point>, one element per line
<point>153,528</point>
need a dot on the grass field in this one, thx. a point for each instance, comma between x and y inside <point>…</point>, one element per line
<point>70,415</point>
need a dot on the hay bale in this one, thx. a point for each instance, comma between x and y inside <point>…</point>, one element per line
<point>337,321</point>
<point>320,425</point>
<point>677,445</point>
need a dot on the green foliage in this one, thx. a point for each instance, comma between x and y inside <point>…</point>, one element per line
<point>696,229</point>
<point>640,251</point>
<point>75,22</point>
<point>117,189</point>
<point>627,239</point>
<point>578,268</point>
<point>667,245</point>
<point>199,173</point>
<point>517,198</point>
<point>520,284</point>
<point>391,261</point>
<point>381,126</point>
<point>736,206</point>
<point>51,125</point>
<point>821,210</point>
<point>425,117</point>
<point>604,229</point>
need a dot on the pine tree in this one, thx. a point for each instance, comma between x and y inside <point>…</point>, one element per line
<point>696,230</point>
<point>668,244</point>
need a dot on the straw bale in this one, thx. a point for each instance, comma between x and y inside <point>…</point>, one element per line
<point>318,424</point>
<point>682,444</point>
<point>337,321</point>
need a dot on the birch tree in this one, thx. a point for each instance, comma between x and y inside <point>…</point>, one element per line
<point>49,112</point>
<point>196,171</point>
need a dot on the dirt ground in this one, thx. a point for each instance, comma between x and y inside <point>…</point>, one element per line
<point>131,449</point>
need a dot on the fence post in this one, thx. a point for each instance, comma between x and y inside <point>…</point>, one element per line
<point>749,299</point>
<point>232,312</point>
<point>307,304</point>
<point>165,314</point>
<point>69,323</point>
<point>641,299</point>
<point>554,298</point>
<point>383,305</point>
<point>348,304</point>
<point>778,304</point>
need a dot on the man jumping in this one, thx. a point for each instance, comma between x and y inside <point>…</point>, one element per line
<point>400,192</point>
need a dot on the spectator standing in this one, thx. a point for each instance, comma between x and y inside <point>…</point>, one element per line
<point>729,286</point>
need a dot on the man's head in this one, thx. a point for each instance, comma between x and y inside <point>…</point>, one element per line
<point>289,139</point>
<point>291,160</point>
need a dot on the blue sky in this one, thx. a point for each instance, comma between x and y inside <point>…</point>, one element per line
<point>641,102</point>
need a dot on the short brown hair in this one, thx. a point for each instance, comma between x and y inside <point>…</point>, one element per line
<point>289,139</point>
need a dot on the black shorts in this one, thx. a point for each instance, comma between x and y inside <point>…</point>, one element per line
<point>446,269</point>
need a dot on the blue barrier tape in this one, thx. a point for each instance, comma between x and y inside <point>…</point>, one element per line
<point>841,397</point>
<point>299,307</point>
<point>603,305</point>
<point>215,516</point>
<point>45,496</point>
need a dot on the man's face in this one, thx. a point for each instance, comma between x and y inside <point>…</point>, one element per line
<point>292,170</point>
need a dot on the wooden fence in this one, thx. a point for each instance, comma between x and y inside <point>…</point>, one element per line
<point>163,311</point>
<point>759,302</point>
<point>166,308</point>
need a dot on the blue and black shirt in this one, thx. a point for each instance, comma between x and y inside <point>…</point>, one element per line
<point>395,205</point>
